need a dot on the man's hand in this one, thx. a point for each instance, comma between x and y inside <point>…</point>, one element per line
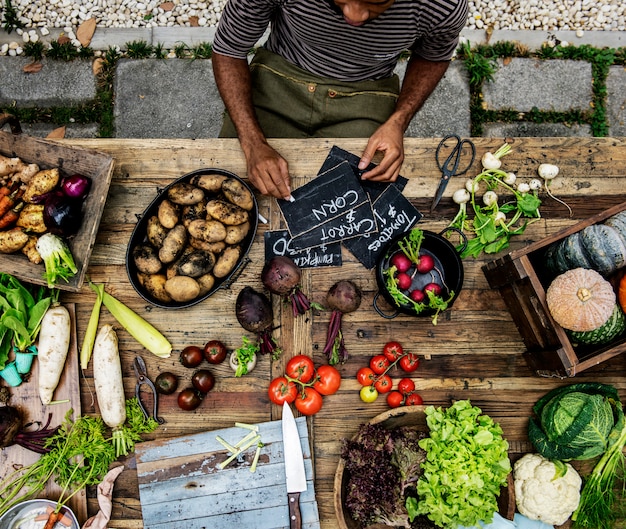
<point>268,170</point>
<point>388,139</point>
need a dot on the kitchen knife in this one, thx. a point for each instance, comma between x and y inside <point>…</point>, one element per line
<point>294,466</point>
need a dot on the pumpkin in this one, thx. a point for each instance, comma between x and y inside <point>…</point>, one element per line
<point>604,247</point>
<point>604,334</point>
<point>580,300</point>
<point>621,292</point>
<point>618,222</point>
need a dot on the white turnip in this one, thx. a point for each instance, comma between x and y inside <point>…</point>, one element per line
<point>342,298</point>
<point>254,313</point>
<point>281,276</point>
<point>53,346</point>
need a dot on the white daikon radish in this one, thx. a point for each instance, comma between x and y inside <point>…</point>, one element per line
<point>53,346</point>
<point>107,375</point>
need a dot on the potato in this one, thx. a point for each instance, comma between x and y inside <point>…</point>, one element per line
<point>155,232</point>
<point>30,250</point>
<point>236,234</point>
<point>31,219</point>
<point>207,230</point>
<point>226,212</point>
<point>12,241</point>
<point>196,264</point>
<point>185,194</point>
<point>42,182</point>
<point>213,247</point>
<point>237,193</point>
<point>227,261</point>
<point>206,282</point>
<point>173,245</point>
<point>182,288</point>
<point>154,284</point>
<point>209,182</point>
<point>146,259</point>
<point>168,214</point>
<point>193,212</point>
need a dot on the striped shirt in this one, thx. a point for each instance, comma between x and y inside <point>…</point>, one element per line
<point>312,35</point>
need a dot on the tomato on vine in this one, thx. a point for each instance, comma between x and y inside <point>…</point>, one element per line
<point>368,394</point>
<point>383,384</point>
<point>282,390</point>
<point>301,367</point>
<point>379,364</point>
<point>395,399</point>
<point>365,376</point>
<point>406,386</point>
<point>392,350</point>
<point>409,362</point>
<point>308,401</point>
<point>328,380</point>
<point>413,399</point>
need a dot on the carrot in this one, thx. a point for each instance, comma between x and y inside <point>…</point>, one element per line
<point>8,201</point>
<point>5,190</point>
<point>50,513</point>
<point>11,216</point>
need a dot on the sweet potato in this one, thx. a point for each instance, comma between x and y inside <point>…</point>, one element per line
<point>42,182</point>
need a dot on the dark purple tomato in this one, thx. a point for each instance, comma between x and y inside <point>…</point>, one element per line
<point>203,380</point>
<point>166,383</point>
<point>189,399</point>
<point>215,352</point>
<point>191,356</point>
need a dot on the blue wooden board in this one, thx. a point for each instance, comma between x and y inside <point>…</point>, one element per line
<point>180,484</point>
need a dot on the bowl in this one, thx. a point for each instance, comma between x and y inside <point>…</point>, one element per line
<point>413,416</point>
<point>139,236</point>
<point>30,508</point>
<point>447,273</point>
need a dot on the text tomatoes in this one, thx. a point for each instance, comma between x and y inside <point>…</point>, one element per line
<point>383,384</point>
<point>214,352</point>
<point>308,401</point>
<point>282,390</point>
<point>300,367</point>
<point>328,380</point>
<point>365,376</point>
<point>405,386</point>
<point>409,362</point>
<point>392,350</point>
<point>368,394</point>
<point>395,399</point>
<point>379,364</point>
<point>413,399</point>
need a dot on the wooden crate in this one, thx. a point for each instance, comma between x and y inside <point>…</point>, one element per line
<point>70,160</point>
<point>522,280</point>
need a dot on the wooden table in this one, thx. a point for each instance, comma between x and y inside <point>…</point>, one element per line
<point>474,352</point>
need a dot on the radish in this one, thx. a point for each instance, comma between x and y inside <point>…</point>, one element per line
<point>109,384</point>
<point>400,261</point>
<point>53,346</point>
<point>404,281</point>
<point>435,288</point>
<point>417,295</point>
<point>425,264</point>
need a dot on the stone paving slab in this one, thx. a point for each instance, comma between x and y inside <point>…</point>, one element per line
<point>616,100</point>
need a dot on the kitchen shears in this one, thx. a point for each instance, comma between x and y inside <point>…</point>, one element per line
<point>141,374</point>
<point>450,166</point>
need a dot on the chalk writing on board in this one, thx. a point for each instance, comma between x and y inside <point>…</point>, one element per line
<point>280,243</point>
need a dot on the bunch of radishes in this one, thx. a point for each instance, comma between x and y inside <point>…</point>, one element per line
<point>405,273</point>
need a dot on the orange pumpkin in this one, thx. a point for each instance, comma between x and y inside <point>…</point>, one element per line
<point>621,293</point>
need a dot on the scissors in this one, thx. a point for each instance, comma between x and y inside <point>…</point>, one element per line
<point>141,373</point>
<point>450,166</point>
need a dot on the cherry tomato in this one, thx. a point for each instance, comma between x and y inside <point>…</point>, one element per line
<point>203,380</point>
<point>282,390</point>
<point>395,399</point>
<point>405,386</point>
<point>392,350</point>
<point>368,394</point>
<point>301,367</point>
<point>413,399</point>
<point>383,384</point>
<point>365,376</point>
<point>308,402</point>
<point>328,380</point>
<point>189,399</point>
<point>379,364</point>
<point>166,383</point>
<point>409,362</point>
<point>215,352</point>
<point>191,356</point>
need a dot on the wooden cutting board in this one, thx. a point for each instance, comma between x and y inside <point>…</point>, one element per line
<point>180,484</point>
<point>25,398</point>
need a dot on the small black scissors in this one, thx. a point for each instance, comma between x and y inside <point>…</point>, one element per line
<point>450,166</point>
<point>141,373</point>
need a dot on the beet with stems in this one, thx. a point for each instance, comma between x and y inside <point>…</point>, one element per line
<point>254,314</point>
<point>342,298</point>
<point>12,432</point>
<point>281,276</point>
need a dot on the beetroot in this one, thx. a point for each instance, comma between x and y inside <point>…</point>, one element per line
<point>342,298</point>
<point>254,314</point>
<point>281,276</point>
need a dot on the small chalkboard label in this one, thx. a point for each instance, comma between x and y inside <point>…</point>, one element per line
<point>329,196</point>
<point>280,243</point>
<point>394,215</point>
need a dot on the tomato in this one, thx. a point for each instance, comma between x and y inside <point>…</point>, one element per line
<point>365,376</point>
<point>215,352</point>
<point>368,394</point>
<point>203,380</point>
<point>392,350</point>
<point>383,384</point>
<point>191,356</point>
<point>166,383</point>
<point>413,399</point>
<point>301,367</point>
<point>189,399</point>
<point>308,402</point>
<point>328,380</point>
<point>405,386</point>
<point>395,399</point>
<point>379,364</point>
<point>409,362</point>
<point>282,390</point>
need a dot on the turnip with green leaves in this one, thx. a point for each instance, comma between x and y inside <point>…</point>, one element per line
<point>342,298</point>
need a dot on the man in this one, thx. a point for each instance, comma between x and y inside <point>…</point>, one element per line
<point>326,70</point>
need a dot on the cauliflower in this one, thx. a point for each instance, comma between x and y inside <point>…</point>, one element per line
<point>545,490</point>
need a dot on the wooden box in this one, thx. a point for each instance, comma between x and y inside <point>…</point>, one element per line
<point>522,279</point>
<point>70,160</point>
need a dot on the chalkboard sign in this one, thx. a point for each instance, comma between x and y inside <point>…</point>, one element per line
<point>394,215</point>
<point>280,243</point>
<point>331,197</point>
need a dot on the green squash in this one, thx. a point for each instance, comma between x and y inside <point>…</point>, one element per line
<point>614,326</point>
<point>604,247</point>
